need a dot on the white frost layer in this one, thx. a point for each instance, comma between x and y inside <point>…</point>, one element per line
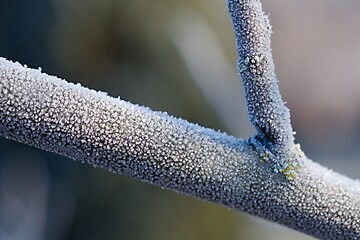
<point>88,126</point>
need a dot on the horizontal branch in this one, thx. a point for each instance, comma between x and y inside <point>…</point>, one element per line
<point>88,126</point>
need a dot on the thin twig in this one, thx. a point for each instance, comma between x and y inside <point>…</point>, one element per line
<point>266,109</point>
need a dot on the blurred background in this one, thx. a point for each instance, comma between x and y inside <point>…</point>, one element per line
<point>175,56</point>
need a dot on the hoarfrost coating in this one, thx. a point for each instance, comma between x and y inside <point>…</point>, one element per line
<point>266,109</point>
<point>89,126</point>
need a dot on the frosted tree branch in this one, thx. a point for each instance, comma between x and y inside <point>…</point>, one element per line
<point>89,126</point>
<point>266,176</point>
<point>266,109</point>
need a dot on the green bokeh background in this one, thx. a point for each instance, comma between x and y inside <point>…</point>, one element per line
<point>125,48</point>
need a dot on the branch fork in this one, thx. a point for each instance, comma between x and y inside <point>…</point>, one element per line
<point>267,111</point>
<point>267,176</point>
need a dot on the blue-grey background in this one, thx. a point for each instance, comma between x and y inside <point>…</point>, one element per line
<point>175,56</point>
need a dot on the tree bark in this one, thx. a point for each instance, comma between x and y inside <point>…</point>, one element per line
<point>88,126</point>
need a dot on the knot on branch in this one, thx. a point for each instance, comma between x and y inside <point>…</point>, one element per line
<point>254,66</point>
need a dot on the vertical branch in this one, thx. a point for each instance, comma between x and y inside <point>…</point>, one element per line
<point>266,109</point>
